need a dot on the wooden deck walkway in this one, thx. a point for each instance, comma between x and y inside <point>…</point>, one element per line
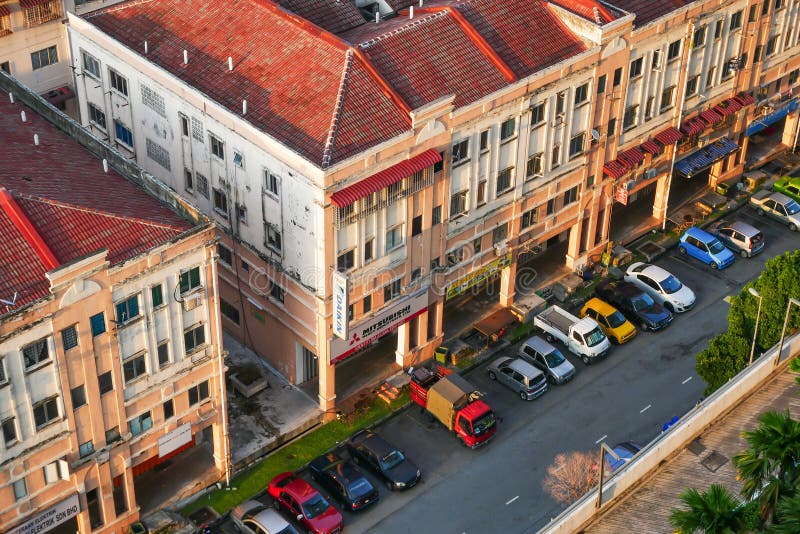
<point>705,461</point>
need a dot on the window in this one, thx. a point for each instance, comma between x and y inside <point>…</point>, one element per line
<point>225,254</point>
<point>601,84</point>
<point>617,76</point>
<point>202,184</point>
<point>184,124</point>
<point>391,290</point>
<point>636,68</point>
<point>507,129</point>
<point>69,337</point>
<point>238,159</point>
<point>458,204</point>
<point>105,383</point>
<point>96,116</point>
<point>85,449</point>
<point>439,165</point>
<point>555,156</point>
<point>346,260</point>
<point>779,4</point>
<point>369,252</point>
<point>3,377</point>
<point>169,409</point>
<point>499,234</point>
<point>276,292</point>
<point>629,119</point>
<point>133,367</point>
<point>112,435</point>
<point>394,238</point>
<point>699,37</point>
<point>436,216</point>
<point>241,214</point>
<point>793,76</point>
<point>93,506</point>
<point>9,431</point>
<point>765,7</point>
<point>45,412</point>
<point>434,264</point>
<point>477,245</point>
<point>5,66</point>
<point>158,153</point>
<point>198,393</point>
<point>274,240</point>
<point>481,193</point>
<point>188,182</point>
<point>648,108</point>
<point>753,13</point>
<point>551,206</point>
<point>560,100</point>
<point>666,97</point>
<point>229,311</point>
<point>118,82</point>
<point>505,180</point>
<point>772,45</point>
<point>535,165</point>
<point>90,65</point>
<point>484,142</point>
<point>461,151</point>
<point>163,352</point>
<point>55,471</point>
<point>153,100</point>
<point>140,424</point>
<point>691,85</point>
<point>576,144</point>
<point>20,489</point>
<point>455,256</point>
<point>78,396</point>
<point>612,127</point>
<point>757,54</point>
<point>217,147</point>
<point>710,77</point>
<point>44,57</point>
<point>736,21</point>
<point>718,29</point>
<point>194,338</point>
<point>529,218</point>
<point>571,195</point>
<point>123,134</point>
<point>656,59</point>
<point>416,225</point>
<point>272,184</point>
<point>221,202</point>
<point>581,94</point>
<point>35,353</point>
<point>674,50</point>
<point>366,304</point>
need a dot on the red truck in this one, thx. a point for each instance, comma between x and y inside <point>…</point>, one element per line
<point>456,403</point>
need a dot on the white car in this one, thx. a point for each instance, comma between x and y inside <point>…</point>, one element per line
<point>252,517</point>
<point>665,288</point>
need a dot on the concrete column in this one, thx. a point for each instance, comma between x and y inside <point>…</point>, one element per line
<point>660,201</point>
<point>790,130</point>
<point>422,329</point>
<point>507,283</point>
<point>326,374</point>
<point>403,352</point>
<point>715,173</point>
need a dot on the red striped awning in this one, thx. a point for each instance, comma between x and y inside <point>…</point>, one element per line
<point>693,126</point>
<point>4,11</point>
<point>615,169</point>
<point>745,99</point>
<point>710,116</point>
<point>651,147</point>
<point>668,136</point>
<point>727,107</point>
<point>632,157</point>
<point>27,4</point>
<point>385,178</point>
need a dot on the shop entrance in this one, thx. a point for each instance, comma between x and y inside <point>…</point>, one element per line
<point>367,367</point>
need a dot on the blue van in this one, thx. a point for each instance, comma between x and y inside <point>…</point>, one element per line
<point>705,247</point>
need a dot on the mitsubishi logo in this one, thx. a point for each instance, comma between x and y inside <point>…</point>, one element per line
<point>355,339</point>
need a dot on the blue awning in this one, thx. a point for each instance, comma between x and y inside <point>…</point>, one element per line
<point>761,123</point>
<point>706,156</point>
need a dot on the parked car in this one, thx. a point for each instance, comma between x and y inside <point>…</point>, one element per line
<point>789,186</point>
<point>740,238</point>
<point>779,207</point>
<point>385,460</point>
<point>549,359</point>
<point>626,451</point>
<point>253,517</point>
<point>306,504</point>
<point>518,375</point>
<point>614,324</point>
<point>665,288</point>
<point>344,481</point>
<point>582,337</point>
<point>635,304</point>
<point>705,247</point>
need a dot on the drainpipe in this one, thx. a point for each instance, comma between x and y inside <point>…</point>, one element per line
<point>223,398</point>
<point>684,61</point>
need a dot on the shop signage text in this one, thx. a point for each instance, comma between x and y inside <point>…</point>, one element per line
<point>341,292</point>
<point>50,518</point>
<point>476,277</point>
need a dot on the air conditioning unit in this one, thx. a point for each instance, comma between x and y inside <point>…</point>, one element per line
<point>651,173</point>
<point>629,185</point>
<point>501,249</point>
<point>191,302</point>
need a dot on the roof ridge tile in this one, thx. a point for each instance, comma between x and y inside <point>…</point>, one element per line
<point>337,109</point>
<point>402,29</point>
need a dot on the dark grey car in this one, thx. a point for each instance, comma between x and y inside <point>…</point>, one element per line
<point>372,451</point>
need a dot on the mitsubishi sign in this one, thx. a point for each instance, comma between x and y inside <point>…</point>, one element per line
<point>341,301</point>
<point>367,332</point>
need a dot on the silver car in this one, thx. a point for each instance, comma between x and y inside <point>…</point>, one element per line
<point>740,238</point>
<point>518,375</point>
<point>549,359</point>
<point>253,517</point>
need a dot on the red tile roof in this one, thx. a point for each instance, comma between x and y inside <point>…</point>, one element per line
<point>588,9</point>
<point>73,206</point>
<point>647,11</point>
<point>397,5</point>
<point>333,15</point>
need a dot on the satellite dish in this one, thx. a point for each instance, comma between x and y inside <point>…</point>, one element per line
<point>595,135</point>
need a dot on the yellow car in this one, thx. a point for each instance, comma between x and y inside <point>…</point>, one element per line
<point>616,327</point>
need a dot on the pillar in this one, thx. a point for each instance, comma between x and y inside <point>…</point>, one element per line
<point>715,173</point>
<point>508,277</point>
<point>790,130</point>
<point>660,201</point>
<point>326,373</point>
<point>403,352</point>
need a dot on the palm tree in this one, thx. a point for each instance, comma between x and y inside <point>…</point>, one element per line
<point>715,511</point>
<point>787,516</point>
<point>770,467</point>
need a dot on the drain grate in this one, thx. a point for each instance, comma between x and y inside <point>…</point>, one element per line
<point>714,461</point>
<point>696,447</point>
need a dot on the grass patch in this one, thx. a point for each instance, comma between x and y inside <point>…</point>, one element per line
<point>521,331</point>
<point>296,455</point>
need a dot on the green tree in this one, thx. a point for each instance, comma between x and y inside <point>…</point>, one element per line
<point>787,516</point>
<point>770,467</point>
<point>728,353</point>
<point>715,511</point>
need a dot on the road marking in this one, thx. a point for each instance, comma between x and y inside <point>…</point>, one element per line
<point>512,500</point>
<point>601,439</point>
<point>686,380</point>
<point>646,408</point>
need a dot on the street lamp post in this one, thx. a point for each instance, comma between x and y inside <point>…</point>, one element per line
<point>753,292</point>
<point>783,331</point>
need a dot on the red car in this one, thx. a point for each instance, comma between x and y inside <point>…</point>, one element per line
<point>301,500</point>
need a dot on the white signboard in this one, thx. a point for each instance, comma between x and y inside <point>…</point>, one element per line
<point>50,518</point>
<point>341,301</point>
<point>369,331</point>
<point>174,440</point>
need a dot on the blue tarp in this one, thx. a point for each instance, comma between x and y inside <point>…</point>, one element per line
<point>761,123</point>
<point>706,156</point>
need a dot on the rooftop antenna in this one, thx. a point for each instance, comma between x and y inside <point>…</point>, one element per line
<point>36,139</point>
<point>230,63</point>
<point>597,17</point>
<point>23,116</point>
<point>420,3</point>
<point>145,47</point>
<point>244,107</point>
<point>11,302</point>
<point>377,17</point>
<point>411,12</point>
<point>185,57</point>
<point>11,97</point>
<point>105,165</point>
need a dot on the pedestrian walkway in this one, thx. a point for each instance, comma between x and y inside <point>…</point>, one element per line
<point>705,461</point>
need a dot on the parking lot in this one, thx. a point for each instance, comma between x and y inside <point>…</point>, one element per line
<point>627,396</point>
